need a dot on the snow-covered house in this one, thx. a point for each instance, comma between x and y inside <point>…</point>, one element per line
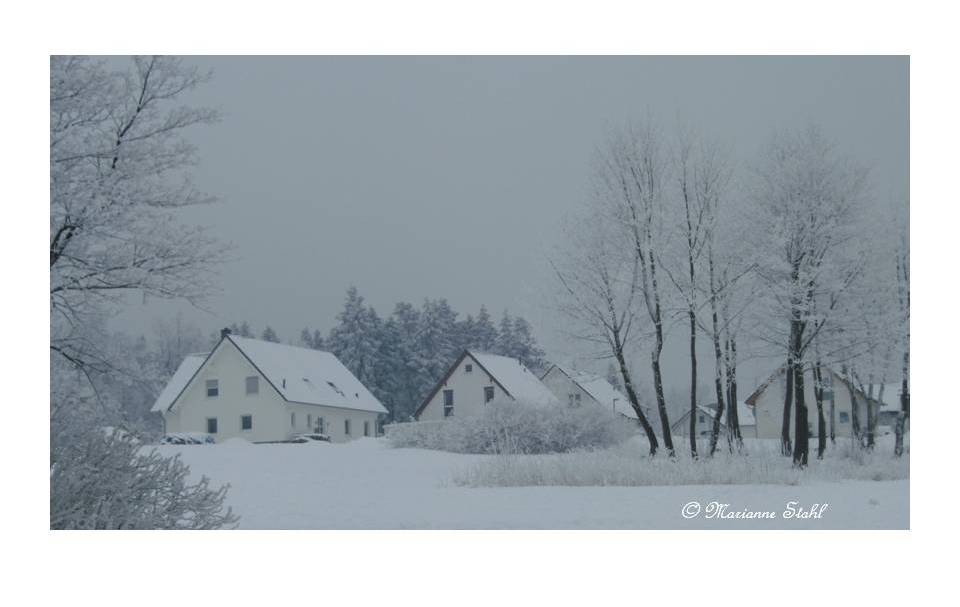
<point>575,388</point>
<point>767,404</point>
<point>266,391</point>
<point>476,379</point>
<point>706,415</point>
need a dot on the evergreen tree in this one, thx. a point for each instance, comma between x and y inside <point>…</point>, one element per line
<point>526,348</point>
<point>505,344</point>
<point>354,340</point>
<point>270,335</point>
<point>484,333</point>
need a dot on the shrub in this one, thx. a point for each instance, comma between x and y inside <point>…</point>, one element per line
<point>629,464</point>
<point>104,480</point>
<point>517,428</point>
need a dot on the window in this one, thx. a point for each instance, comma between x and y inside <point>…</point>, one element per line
<point>309,420</point>
<point>447,403</point>
<point>213,388</point>
<point>468,369</point>
<point>844,417</point>
<point>211,425</point>
<point>577,398</point>
<point>246,422</point>
<point>319,425</point>
<point>700,418</point>
<point>293,420</point>
<point>487,394</point>
<point>346,427</point>
<point>253,385</point>
<point>570,399</point>
<point>366,428</point>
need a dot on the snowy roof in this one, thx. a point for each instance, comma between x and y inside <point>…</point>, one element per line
<point>178,382</point>
<point>745,416</point>
<point>601,391</point>
<point>300,375</point>
<point>515,378</point>
<point>304,375</point>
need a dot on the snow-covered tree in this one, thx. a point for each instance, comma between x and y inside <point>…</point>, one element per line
<point>632,171</point>
<point>807,201</point>
<point>598,285</point>
<point>355,338</point>
<point>269,335</point>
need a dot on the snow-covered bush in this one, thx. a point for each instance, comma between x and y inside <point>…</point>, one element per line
<point>105,480</point>
<point>629,464</point>
<point>517,428</point>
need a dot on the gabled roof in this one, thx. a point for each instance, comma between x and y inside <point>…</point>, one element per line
<point>509,373</point>
<point>181,377</point>
<point>299,375</point>
<point>518,381</point>
<point>745,415</point>
<point>752,399</point>
<point>599,390</point>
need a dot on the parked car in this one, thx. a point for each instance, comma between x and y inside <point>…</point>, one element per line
<point>187,438</point>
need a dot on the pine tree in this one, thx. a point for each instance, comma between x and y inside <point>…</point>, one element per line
<point>270,335</point>
<point>355,339</point>
<point>306,338</point>
<point>484,333</point>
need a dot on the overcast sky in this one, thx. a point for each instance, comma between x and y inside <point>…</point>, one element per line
<point>448,177</point>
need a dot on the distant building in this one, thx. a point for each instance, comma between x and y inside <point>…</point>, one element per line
<point>575,388</point>
<point>704,421</point>
<point>766,402</point>
<point>475,379</point>
<point>265,391</point>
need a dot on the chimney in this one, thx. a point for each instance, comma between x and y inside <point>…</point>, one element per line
<point>224,332</point>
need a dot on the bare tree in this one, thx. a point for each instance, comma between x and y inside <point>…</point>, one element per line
<point>807,200</point>
<point>598,291</point>
<point>903,300</point>
<point>631,172</point>
<point>119,169</point>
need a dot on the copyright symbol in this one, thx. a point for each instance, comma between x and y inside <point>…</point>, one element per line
<point>690,510</point>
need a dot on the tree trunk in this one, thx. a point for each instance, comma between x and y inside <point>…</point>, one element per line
<point>801,443</point>
<point>785,445</point>
<point>655,362</point>
<point>634,401</point>
<point>718,360</point>
<point>904,405</point>
<point>854,408</point>
<point>693,377</point>
<point>821,421</point>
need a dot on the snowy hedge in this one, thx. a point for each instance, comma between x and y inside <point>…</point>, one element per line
<point>517,428</point>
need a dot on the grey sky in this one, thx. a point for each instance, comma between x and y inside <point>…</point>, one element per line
<point>448,177</point>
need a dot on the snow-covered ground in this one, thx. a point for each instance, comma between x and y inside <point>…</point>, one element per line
<point>367,485</point>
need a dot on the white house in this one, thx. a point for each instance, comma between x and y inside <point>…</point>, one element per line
<point>767,404</point>
<point>476,379</point>
<point>576,388</point>
<point>706,415</point>
<point>264,391</point>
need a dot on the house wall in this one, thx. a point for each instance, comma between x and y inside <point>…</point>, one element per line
<point>704,425</point>
<point>305,420</point>
<point>271,413</point>
<point>563,388</point>
<point>768,408</point>
<point>468,398</point>
<point>230,368</point>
